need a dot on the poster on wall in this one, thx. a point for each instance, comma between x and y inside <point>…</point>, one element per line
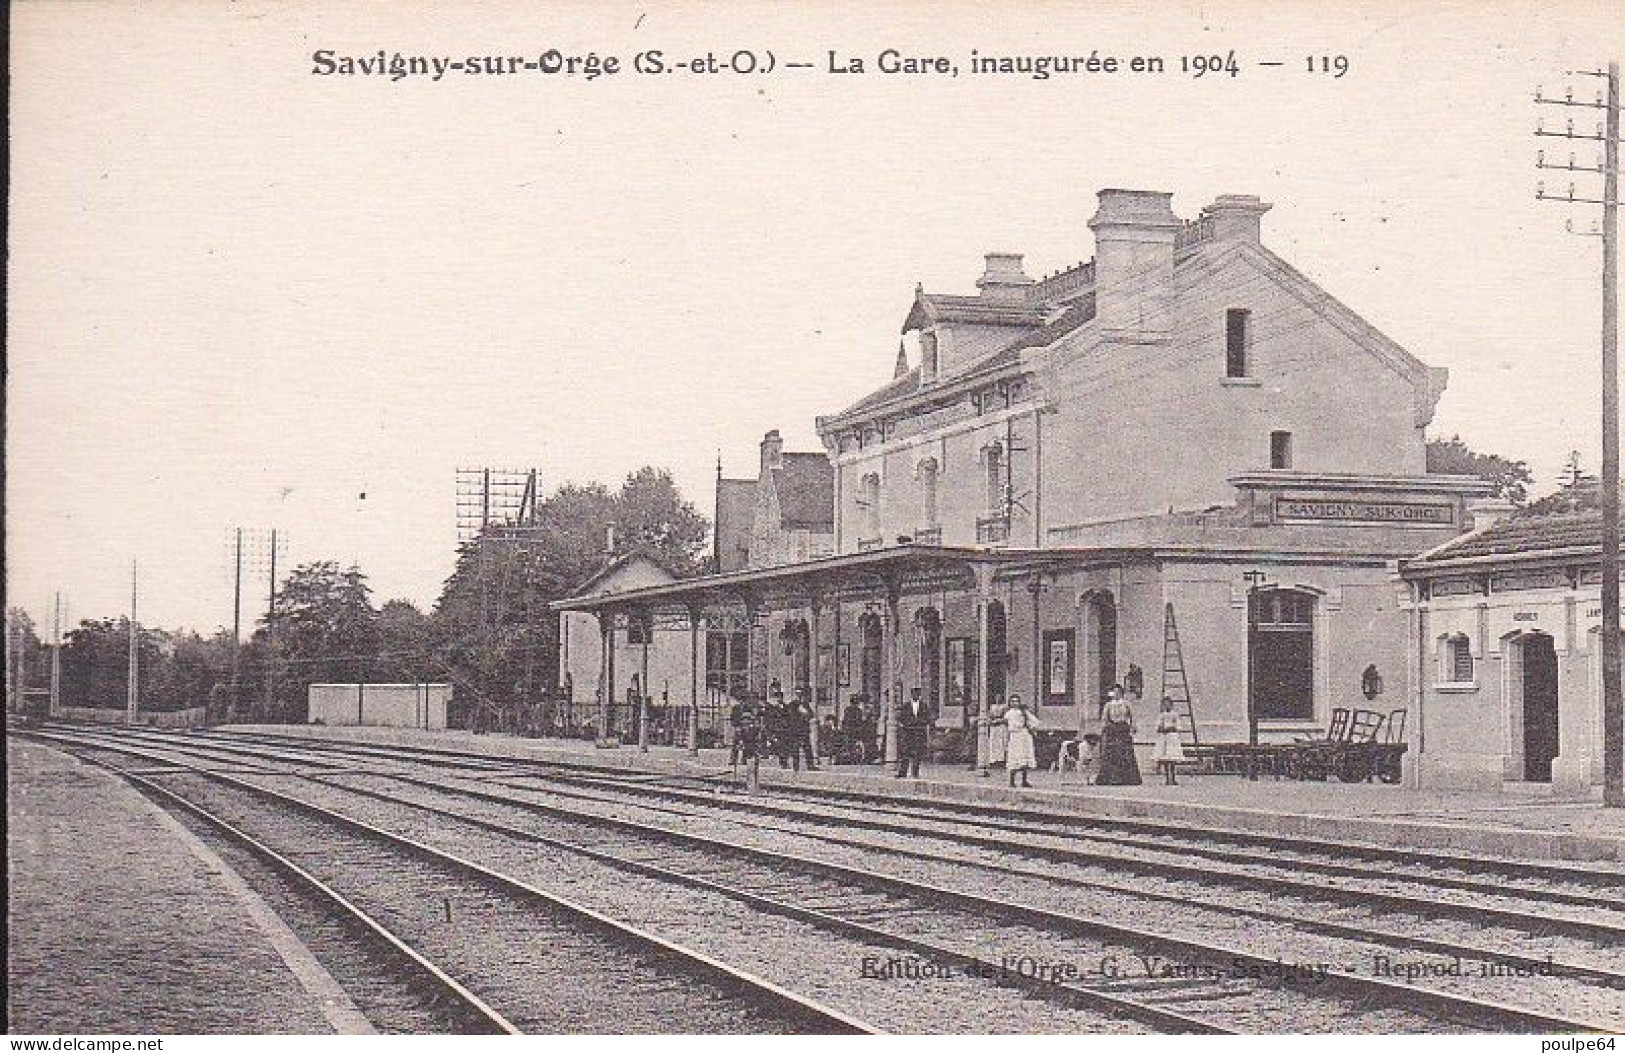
<point>961,671</point>
<point>843,662</point>
<point>1058,645</point>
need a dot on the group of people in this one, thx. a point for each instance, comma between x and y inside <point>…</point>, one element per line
<point>1110,754</point>
<point>781,727</point>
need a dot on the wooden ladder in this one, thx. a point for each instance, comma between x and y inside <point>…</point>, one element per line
<point>1174,683</point>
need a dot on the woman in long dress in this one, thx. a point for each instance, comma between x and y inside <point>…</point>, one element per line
<point>1019,752</point>
<point>1118,766</point>
<point>1170,750</point>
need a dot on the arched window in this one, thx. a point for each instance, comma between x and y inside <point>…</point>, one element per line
<point>1281,641</point>
<point>928,472</point>
<point>1456,659</point>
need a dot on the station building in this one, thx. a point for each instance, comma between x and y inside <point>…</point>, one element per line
<point>1182,437</point>
<point>1505,634</point>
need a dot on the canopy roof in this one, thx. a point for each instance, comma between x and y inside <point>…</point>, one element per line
<point>906,568</point>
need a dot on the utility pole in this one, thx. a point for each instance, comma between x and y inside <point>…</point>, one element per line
<point>56,658</point>
<point>133,693</point>
<point>1607,132</point>
<point>236,626</point>
<point>270,637</point>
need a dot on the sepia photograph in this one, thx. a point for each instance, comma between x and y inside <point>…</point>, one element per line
<point>914,518</point>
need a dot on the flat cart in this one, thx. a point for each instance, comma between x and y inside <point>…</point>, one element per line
<point>1359,745</point>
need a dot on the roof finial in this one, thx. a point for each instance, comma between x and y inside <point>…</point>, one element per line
<point>902,361</point>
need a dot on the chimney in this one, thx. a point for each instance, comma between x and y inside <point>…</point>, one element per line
<point>772,452</point>
<point>1134,262</point>
<point>1488,511</point>
<point>1003,279</point>
<point>1236,217</point>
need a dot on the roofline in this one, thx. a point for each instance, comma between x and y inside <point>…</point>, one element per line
<point>1426,566</point>
<point>734,585</point>
<point>952,386</point>
<point>875,561</point>
<point>616,563</point>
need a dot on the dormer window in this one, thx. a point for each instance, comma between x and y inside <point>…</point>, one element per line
<point>1237,340</point>
<point>928,356</point>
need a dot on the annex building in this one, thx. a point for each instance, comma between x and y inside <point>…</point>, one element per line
<point>1183,436</point>
<point>1505,633</point>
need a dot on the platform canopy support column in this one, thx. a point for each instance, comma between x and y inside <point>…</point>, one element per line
<point>695,613</point>
<point>892,639</point>
<point>815,612</point>
<point>984,663</point>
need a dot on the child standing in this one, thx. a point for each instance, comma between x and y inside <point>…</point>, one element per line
<point>1020,755</point>
<point>1170,750</point>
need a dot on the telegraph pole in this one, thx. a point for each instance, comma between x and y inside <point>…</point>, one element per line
<point>133,693</point>
<point>270,638</point>
<point>1607,132</point>
<point>56,658</point>
<point>236,627</point>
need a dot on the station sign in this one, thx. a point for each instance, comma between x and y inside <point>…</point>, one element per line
<point>1372,512</point>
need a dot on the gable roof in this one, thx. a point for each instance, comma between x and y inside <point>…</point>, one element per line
<point>602,580</point>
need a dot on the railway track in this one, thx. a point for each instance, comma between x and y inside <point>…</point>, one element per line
<point>891,908</point>
<point>1325,856</point>
<point>1412,891</point>
<point>391,982</point>
<point>508,940</point>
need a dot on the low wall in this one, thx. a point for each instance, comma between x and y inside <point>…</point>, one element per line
<point>196,717</point>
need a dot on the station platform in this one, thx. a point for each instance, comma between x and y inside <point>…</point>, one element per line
<point>123,922</point>
<point>1525,822</point>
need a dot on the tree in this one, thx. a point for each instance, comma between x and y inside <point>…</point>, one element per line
<point>321,627</point>
<point>1511,479</point>
<point>27,657</point>
<point>96,664</point>
<point>405,643</point>
<point>493,623</point>
<point>652,518</point>
<point>1577,491</point>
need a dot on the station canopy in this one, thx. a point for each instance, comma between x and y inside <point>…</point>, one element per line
<point>904,570</point>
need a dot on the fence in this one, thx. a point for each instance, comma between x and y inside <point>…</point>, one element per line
<point>670,723</point>
<point>196,717</point>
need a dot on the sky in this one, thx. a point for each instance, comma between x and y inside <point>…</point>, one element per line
<point>242,294</point>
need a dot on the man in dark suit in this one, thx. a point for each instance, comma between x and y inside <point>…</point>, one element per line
<point>913,734</point>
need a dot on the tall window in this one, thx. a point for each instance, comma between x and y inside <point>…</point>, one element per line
<point>1457,660</point>
<point>994,458</point>
<point>727,662</point>
<point>928,493</point>
<point>928,356</point>
<point>1280,449</point>
<point>1236,338</point>
<point>869,504</point>
<point>1281,642</point>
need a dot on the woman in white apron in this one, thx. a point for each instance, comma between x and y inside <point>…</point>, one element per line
<point>1020,754</point>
